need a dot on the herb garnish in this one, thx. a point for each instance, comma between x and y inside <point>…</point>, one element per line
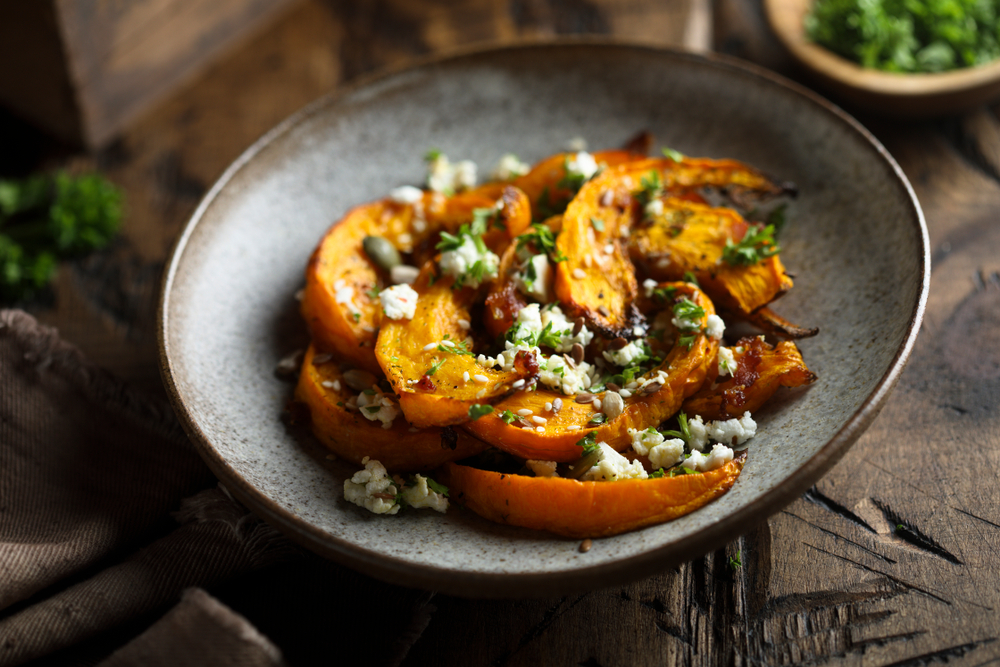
<point>476,411</point>
<point>755,246</point>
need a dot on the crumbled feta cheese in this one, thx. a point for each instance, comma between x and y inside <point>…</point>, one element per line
<point>654,208</point>
<point>532,320</point>
<point>419,495</point>
<point>533,279</point>
<point>344,294</point>
<point>699,433</point>
<point>662,453</point>
<point>715,327</point>
<point>643,441</point>
<point>625,356</point>
<point>727,363</point>
<point>406,194</point>
<point>362,487</point>
<point>448,178</point>
<point>613,466</point>
<point>510,167</point>
<point>684,324</point>
<point>648,285</point>
<point>542,468</point>
<point>460,261</point>
<point>399,302</point>
<point>733,431</point>
<point>377,406</point>
<point>581,164</point>
<point>557,373</point>
<point>718,457</point>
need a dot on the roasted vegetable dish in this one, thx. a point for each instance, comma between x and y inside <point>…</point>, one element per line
<point>548,349</point>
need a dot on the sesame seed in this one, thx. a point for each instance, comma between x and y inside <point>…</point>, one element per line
<point>579,274</point>
<point>480,393</point>
<point>464,324</point>
<point>548,407</point>
<point>430,346</point>
<point>539,420</point>
<point>624,393</point>
<point>518,384</point>
<point>609,249</point>
<point>540,429</point>
<point>588,261</point>
<point>596,403</point>
<point>481,379</point>
<point>447,343</point>
<point>525,412</point>
<point>327,384</point>
<point>465,376</point>
<point>573,427</point>
<point>414,429</point>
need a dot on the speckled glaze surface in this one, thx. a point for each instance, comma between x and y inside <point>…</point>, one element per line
<point>855,241</point>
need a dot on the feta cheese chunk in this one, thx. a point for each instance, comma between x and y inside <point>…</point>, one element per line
<point>399,302</point>
<point>510,167</point>
<point>627,355</point>
<point>727,362</point>
<point>469,263</point>
<point>533,280</point>
<point>419,496</point>
<point>699,433</point>
<point>447,177</point>
<point>406,194</point>
<point>715,327</point>
<point>581,164</point>
<point>662,453</point>
<point>613,466</point>
<point>733,431</point>
<point>542,468</point>
<point>558,373</point>
<point>654,208</point>
<point>718,457</point>
<point>533,319</point>
<point>648,285</point>
<point>361,489</point>
<point>377,406</point>
<point>643,441</point>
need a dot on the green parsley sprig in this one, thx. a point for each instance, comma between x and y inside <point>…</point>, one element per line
<point>756,245</point>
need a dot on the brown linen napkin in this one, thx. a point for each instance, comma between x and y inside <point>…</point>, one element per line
<point>89,472</point>
<point>200,630</point>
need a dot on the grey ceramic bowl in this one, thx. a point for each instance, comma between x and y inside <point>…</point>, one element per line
<point>856,241</point>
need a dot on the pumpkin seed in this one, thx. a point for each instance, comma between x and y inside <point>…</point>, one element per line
<point>359,380</point>
<point>584,397</point>
<point>617,343</point>
<point>380,251</point>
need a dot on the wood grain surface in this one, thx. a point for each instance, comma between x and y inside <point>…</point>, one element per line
<point>893,558</point>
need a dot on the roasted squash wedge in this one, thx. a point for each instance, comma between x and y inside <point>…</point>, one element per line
<point>585,509</point>
<point>346,432</point>
<point>683,368</point>
<point>760,370</point>
<point>429,361</point>
<point>691,237</point>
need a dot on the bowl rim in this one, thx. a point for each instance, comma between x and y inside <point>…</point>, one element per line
<point>786,20</point>
<point>506,585</point>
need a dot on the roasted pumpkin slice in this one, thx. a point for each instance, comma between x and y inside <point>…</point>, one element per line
<point>550,187</point>
<point>555,434</point>
<point>338,302</point>
<point>585,509</point>
<point>760,370</point>
<point>596,279</point>
<point>684,236</point>
<point>342,426</point>
<point>429,359</point>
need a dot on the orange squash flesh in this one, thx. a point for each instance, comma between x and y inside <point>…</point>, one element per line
<point>442,397</point>
<point>352,437</point>
<point>685,368</point>
<point>585,509</point>
<point>761,370</point>
<point>691,237</point>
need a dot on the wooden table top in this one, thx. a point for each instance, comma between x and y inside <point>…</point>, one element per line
<point>892,558</point>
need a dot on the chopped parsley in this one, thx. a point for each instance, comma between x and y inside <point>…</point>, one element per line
<point>435,487</point>
<point>484,218</point>
<point>597,223</point>
<point>356,316</point>
<point>476,411</point>
<point>598,419</point>
<point>687,340</point>
<point>676,156</point>
<point>651,188</point>
<point>589,443</point>
<point>656,474</point>
<point>434,367</point>
<point>688,314</point>
<point>547,337</point>
<point>373,292</point>
<point>432,155</point>
<point>372,409</point>
<point>542,240</point>
<point>508,417</point>
<point>458,347</point>
<point>685,432</point>
<point>755,246</point>
<point>681,470</point>
<point>664,294</point>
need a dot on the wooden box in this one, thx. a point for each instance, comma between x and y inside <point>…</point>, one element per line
<point>82,69</point>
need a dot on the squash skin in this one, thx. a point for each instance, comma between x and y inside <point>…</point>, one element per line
<point>577,509</point>
<point>762,369</point>
<point>686,370</point>
<point>352,437</point>
<point>690,237</point>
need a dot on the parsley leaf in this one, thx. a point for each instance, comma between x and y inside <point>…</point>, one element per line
<point>688,314</point>
<point>508,417</point>
<point>541,240</point>
<point>755,246</point>
<point>435,487</point>
<point>689,277</point>
<point>597,419</point>
<point>432,155</point>
<point>651,188</point>
<point>589,443</point>
<point>656,474</point>
<point>597,223</point>
<point>685,432</point>
<point>476,411</point>
<point>676,156</point>
<point>434,367</point>
<point>680,470</point>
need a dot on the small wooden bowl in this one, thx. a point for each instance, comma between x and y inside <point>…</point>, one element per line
<point>909,95</point>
